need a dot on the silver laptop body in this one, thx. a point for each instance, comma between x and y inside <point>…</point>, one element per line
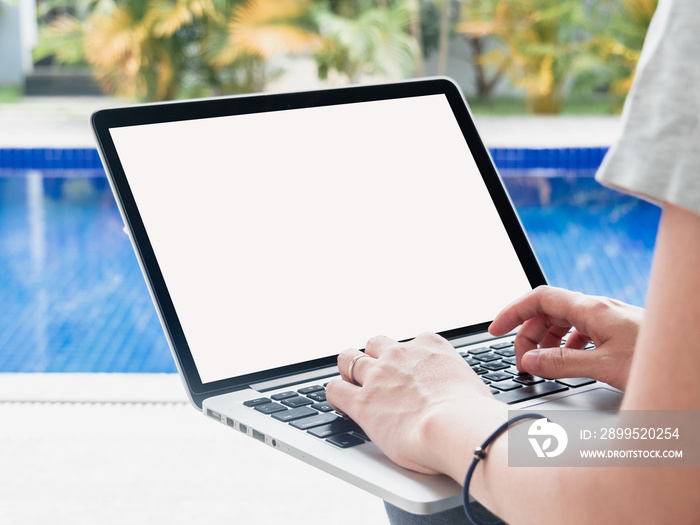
<point>275,230</point>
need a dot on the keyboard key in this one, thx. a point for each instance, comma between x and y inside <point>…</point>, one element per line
<point>471,361</point>
<point>284,395</point>
<point>339,426</point>
<point>498,376</point>
<point>485,358</point>
<point>527,379</point>
<point>531,392</point>
<point>506,385</point>
<point>575,382</point>
<point>481,350</point>
<point>494,391</point>
<point>319,396</point>
<point>314,421</point>
<point>309,389</point>
<point>509,360</point>
<point>486,381</point>
<point>297,401</point>
<point>362,434</point>
<point>345,440</point>
<point>478,370</point>
<point>495,366</point>
<point>323,407</point>
<point>270,408</point>
<point>502,346</point>
<point>294,414</point>
<point>507,352</point>
<point>257,401</point>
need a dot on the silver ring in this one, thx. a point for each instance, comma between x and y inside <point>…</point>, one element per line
<point>352,365</point>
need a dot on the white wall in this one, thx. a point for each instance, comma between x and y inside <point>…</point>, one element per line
<point>18,36</point>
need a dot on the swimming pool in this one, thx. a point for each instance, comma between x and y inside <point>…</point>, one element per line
<point>74,299</point>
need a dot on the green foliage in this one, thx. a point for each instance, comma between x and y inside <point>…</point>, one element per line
<point>547,46</point>
<point>367,40</point>
<point>542,40</point>
<point>165,49</point>
<point>618,42</point>
<point>10,94</point>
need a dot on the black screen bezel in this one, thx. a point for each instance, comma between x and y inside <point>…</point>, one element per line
<point>103,121</point>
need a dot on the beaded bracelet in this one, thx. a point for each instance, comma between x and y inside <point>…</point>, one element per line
<point>479,454</point>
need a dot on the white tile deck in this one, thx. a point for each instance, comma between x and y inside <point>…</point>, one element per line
<point>149,462</point>
<point>64,122</point>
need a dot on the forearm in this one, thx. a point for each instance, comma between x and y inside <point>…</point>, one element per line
<point>556,494</point>
<point>664,370</point>
<point>663,376</point>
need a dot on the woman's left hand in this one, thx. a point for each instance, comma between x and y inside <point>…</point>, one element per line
<point>402,393</point>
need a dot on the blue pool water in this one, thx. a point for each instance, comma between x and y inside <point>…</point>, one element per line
<point>74,299</point>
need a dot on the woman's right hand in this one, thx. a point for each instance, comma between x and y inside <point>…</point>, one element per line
<point>547,315</point>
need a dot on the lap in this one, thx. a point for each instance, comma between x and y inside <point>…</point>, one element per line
<point>454,516</point>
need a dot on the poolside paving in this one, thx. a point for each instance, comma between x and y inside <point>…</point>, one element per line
<point>64,122</point>
<point>127,448</point>
<point>118,461</point>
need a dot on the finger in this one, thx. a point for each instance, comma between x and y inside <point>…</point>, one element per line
<point>554,363</point>
<point>541,331</point>
<point>544,300</point>
<point>555,334</point>
<point>577,340</point>
<point>342,395</point>
<point>344,359</point>
<point>351,364</point>
<point>378,345</point>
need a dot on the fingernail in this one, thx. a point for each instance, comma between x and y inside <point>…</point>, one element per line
<point>531,361</point>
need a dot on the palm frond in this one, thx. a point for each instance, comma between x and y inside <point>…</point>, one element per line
<point>63,38</point>
<point>377,41</point>
<point>168,16</point>
<point>265,28</point>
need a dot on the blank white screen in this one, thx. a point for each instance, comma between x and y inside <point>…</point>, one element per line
<point>291,235</point>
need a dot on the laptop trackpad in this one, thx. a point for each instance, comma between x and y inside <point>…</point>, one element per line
<point>594,399</point>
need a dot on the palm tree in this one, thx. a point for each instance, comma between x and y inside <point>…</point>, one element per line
<point>544,43</point>
<point>164,49</point>
<point>252,32</point>
<point>618,41</point>
<point>137,49</point>
<point>368,40</point>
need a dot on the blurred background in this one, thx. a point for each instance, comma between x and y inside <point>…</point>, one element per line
<point>510,56</point>
<point>546,80</point>
<point>95,425</point>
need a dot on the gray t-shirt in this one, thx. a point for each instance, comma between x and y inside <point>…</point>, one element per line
<point>658,154</point>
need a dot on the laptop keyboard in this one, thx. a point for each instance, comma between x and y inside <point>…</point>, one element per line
<point>307,409</point>
<point>495,364</point>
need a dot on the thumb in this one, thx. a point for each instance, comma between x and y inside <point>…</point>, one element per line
<point>554,363</point>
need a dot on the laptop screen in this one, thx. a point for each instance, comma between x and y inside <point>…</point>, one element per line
<point>287,236</point>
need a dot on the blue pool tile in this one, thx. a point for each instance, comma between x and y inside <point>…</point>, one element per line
<point>74,299</point>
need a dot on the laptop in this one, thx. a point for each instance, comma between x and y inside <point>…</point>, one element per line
<point>275,230</point>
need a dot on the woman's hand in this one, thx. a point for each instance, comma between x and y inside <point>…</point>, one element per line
<point>547,314</point>
<point>402,396</point>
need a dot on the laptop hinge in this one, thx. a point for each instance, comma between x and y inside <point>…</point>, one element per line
<point>295,379</point>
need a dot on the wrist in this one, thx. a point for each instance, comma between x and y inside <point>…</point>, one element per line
<point>451,432</point>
